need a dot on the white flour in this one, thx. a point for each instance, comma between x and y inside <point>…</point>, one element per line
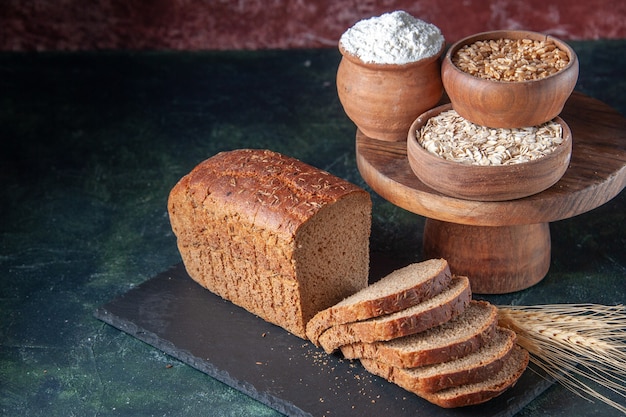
<point>392,38</point>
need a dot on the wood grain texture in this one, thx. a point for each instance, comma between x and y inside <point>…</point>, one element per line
<point>596,174</point>
<point>497,260</point>
<point>515,254</point>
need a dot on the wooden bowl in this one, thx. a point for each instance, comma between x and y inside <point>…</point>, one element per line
<point>491,182</point>
<point>384,99</point>
<point>508,103</point>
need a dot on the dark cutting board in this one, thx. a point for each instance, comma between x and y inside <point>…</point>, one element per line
<point>174,314</point>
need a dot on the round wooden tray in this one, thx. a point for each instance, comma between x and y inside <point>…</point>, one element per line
<point>505,246</point>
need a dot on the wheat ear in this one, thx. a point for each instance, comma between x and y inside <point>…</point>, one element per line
<point>569,341</point>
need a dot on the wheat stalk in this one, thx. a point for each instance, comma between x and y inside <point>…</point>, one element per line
<point>569,341</point>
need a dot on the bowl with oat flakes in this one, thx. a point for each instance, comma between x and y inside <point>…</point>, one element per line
<point>464,160</point>
<point>509,78</point>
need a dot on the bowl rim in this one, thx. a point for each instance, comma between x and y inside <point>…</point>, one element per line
<point>493,34</point>
<point>414,145</point>
<point>375,65</point>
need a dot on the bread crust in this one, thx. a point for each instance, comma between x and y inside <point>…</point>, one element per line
<point>488,385</point>
<point>387,304</point>
<point>448,304</point>
<point>428,379</point>
<point>503,380</point>
<point>268,189</point>
<point>386,351</point>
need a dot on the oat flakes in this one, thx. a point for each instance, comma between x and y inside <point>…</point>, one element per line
<point>452,137</point>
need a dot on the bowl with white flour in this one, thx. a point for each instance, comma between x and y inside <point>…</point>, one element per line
<point>390,73</point>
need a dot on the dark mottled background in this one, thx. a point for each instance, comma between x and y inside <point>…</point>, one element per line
<point>262,24</point>
<point>92,142</point>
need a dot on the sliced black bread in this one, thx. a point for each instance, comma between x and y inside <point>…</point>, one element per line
<point>480,392</point>
<point>468,394</point>
<point>458,337</point>
<point>397,291</point>
<point>475,367</point>
<point>448,304</point>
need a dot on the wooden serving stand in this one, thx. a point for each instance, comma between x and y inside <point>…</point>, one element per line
<point>505,246</point>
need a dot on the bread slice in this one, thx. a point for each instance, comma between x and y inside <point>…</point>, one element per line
<point>475,367</point>
<point>456,338</point>
<point>480,392</point>
<point>272,234</point>
<point>400,289</point>
<point>467,394</point>
<point>434,311</point>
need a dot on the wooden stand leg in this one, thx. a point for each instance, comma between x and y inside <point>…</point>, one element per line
<point>497,260</point>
